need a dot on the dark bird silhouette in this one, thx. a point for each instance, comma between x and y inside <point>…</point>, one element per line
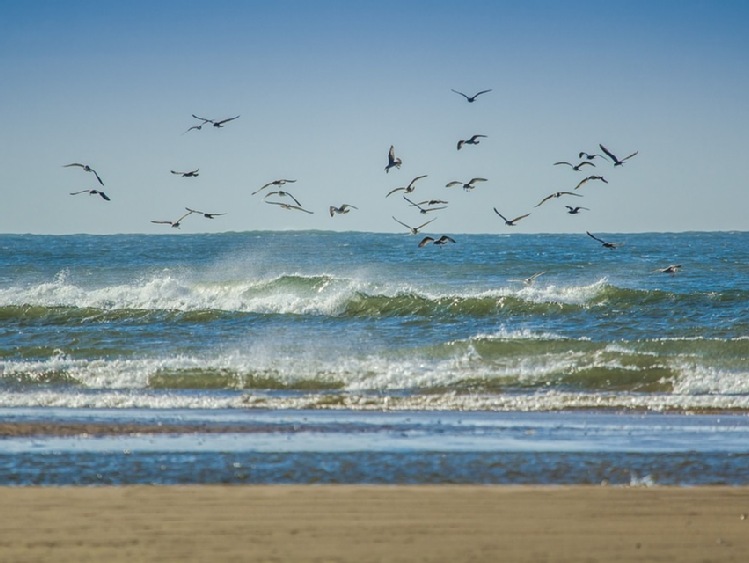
<point>431,202</point>
<point>587,156</point>
<point>575,210</point>
<point>206,215</point>
<point>444,239</point>
<point>86,168</point>
<point>281,193</point>
<point>472,99</point>
<point>92,192</point>
<point>343,209</point>
<point>590,178</point>
<point>174,224</point>
<point>556,194</point>
<point>424,210</point>
<point>671,269</point>
<point>289,206</point>
<point>466,186</point>
<point>575,167</point>
<point>510,222</point>
<point>414,230</point>
<point>189,174</point>
<point>472,141</point>
<point>279,182</point>
<point>613,157</point>
<point>215,123</point>
<point>407,189</point>
<point>195,127</point>
<point>393,161</point>
<point>603,243</point>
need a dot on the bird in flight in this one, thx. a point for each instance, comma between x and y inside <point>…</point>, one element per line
<point>409,188</point>
<point>92,192</point>
<point>279,182</point>
<point>472,99</point>
<point>413,230</point>
<point>289,206</point>
<point>189,174</point>
<point>206,215</point>
<point>575,167</point>
<point>281,193</point>
<point>424,210</point>
<point>589,178</point>
<point>613,157</point>
<point>444,239</point>
<point>575,210</point>
<point>586,156</point>
<point>393,161</point>
<point>510,222</point>
<point>672,269</point>
<point>603,243</point>
<point>556,194</point>
<point>531,279</point>
<point>474,140</point>
<point>466,186</point>
<point>215,123</point>
<point>174,224</point>
<point>86,168</point>
<point>342,210</point>
<point>196,127</point>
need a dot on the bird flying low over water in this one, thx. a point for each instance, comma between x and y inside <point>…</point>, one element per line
<point>575,167</point>
<point>393,161</point>
<point>189,174</point>
<point>214,122</point>
<point>341,210</point>
<point>467,185</point>
<point>409,188</point>
<point>671,269</point>
<point>589,178</point>
<point>603,243</point>
<point>424,210</point>
<point>472,99</point>
<point>613,157</point>
<point>86,168</point>
<point>444,239</point>
<point>575,210</point>
<point>556,194</point>
<point>174,224</point>
<point>279,182</point>
<point>92,192</point>
<point>529,280</point>
<point>281,193</point>
<point>206,215</point>
<point>472,141</point>
<point>510,222</point>
<point>413,230</point>
<point>289,206</point>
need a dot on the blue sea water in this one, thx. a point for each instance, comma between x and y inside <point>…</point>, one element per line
<point>316,322</point>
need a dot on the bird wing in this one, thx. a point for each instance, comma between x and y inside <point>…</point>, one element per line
<point>569,193</point>
<point>175,172</point>
<point>162,222</point>
<point>402,223</point>
<point>220,123</point>
<point>425,241</point>
<point>460,144</point>
<point>74,164</point>
<point>417,178</point>
<point>519,218</point>
<point>79,192</point>
<point>584,162</point>
<point>426,210</point>
<point>474,180</point>
<point>630,156</point>
<point>453,183</point>
<point>395,190</point>
<point>563,162</point>
<point>411,202</point>
<point>104,196</point>
<point>445,238</point>
<point>461,93</point>
<point>498,213</point>
<point>594,237</point>
<point>547,198</point>
<point>424,224</point>
<point>203,119</point>
<point>472,139</point>
<point>295,199</point>
<point>194,211</point>
<point>608,153</point>
<point>391,155</point>
<point>482,92</point>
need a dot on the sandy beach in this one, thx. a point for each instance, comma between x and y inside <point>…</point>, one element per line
<point>374,523</point>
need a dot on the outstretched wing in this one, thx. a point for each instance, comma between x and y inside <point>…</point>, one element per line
<point>498,213</point>
<point>220,123</point>
<point>630,156</point>
<point>426,240</point>
<point>461,93</point>
<point>608,153</point>
<point>594,237</point>
<point>474,180</point>
<point>482,92</point>
<point>516,219</point>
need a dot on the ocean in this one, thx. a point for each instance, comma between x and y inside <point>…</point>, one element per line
<point>338,350</point>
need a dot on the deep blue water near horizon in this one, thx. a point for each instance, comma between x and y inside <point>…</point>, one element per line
<point>155,326</point>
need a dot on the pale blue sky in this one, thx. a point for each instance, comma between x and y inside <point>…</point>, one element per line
<point>325,87</point>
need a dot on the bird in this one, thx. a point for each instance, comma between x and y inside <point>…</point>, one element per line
<point>613,157</point>
<point>472,141</point>
<point>289,206</point>
<point>190,174</point>
<point>86,168</point>
<point>472,99</point>
<point>196,127</point>
<point>215,123</point>
<point>206,215</point>
<point>413,230</point>
<point>510,222</point>
<point>393,161</point>
<point>279,182</point>
<point>466,186</point>
<point>575,167</point>
<point>174,224</point>
<point>444,239</point>
<point>529,280</point>
<point>556,194</point>
<point>432,202</point>
<point>343,209</point>
<point>575,210</point>
<point>589,178</point>
<point>92,192</point>
<point>586,156</point>
<point>407,189</point>
<point>603,243</point>
<point>281,193</point>
<point>671,269</point>
<point>424,210</point>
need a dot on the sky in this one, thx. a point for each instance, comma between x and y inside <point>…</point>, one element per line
<point>324,88</point>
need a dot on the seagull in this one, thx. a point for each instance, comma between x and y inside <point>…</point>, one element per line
<point>575,210</point>
<point>206,215</point>
<point>409,188</point>
<point>467,186</point>
<point>603,243</point>
<point>531,279</point>
<point>587,156</point>
<point>472,99</point>
<point>414,230</point>
<point>190,174</point>
<point>510,222</point>
<point>393,161</point>
<point>424,210</point>
<point>174,224</point>
<point>281,193</point>
<point>196,127</point>
<point>279,182</point>
<point>289,206</point>
<point>432,202</point>
<point>444,239</point>
<point>589,178</point>
<point>612,156</point>
<point>92,192</point>
<point>556,194</point>
<point>671,269</point>
<point>342,210</point>
<point>575,167</point>
<point>85,167</point>
<point>215,123</point>
<point>472,141</point>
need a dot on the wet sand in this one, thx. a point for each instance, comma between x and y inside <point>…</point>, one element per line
<point>374,523</point>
